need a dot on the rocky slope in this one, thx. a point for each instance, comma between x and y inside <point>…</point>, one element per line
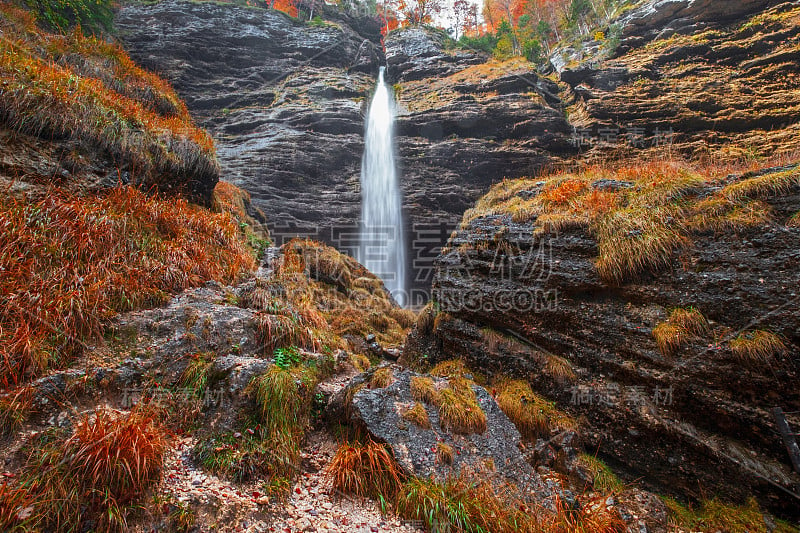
<point>521,292</point>
<point>285,102</point>
<point>716,80</point>
<point>77,113</point>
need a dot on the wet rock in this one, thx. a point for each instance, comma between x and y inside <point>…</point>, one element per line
<point>698,419</point>
<point>494,452</point>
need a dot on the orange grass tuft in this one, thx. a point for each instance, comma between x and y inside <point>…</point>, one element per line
<point>94,476</point>
<point>365,470</point>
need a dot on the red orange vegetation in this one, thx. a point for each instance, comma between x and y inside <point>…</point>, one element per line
<point>89,90</point>
<point>367,469</point>
<point>91,477</point>
<point>70,262</point>
<point>644,213</point>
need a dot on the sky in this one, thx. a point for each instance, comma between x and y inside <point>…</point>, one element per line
<point>445,18</point>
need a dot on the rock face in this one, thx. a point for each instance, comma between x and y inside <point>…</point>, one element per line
<point>464,124</point>
<point>694,422</point>
<point>661,18</point>
<point>282,99</point>
<point>285,102</point>
<point>380,411</point>
<point>721,91</point>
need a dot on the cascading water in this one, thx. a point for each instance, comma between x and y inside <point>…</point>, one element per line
<point>382,248</point>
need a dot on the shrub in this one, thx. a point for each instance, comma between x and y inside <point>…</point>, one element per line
<point>483,43</point>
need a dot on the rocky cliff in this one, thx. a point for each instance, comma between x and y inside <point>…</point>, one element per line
<point>660,304</point>
<point>285,102</point>
<point>708,80</point>
<point>657,301</point>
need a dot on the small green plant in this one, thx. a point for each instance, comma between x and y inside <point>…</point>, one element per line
<point>286,358</point>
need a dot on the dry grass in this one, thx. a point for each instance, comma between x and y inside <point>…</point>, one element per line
<point>418,416</point>
<point>559,369</point>
<point>71,262</point>
<point>603,478</point>
<point>637,239</point>
<point>450,368</point>
<point>360,362</point>
<point>425,319</point>
<point>444,453</point>
<point>14,502</point>
<point>531,414</point>
<point>459,411</point>
<point>318,297</point>
<point>719,214</point>
<point>794,222</point>
<point>757,347</point>
<point>716,515</point>
<point>382,377</point>
<point>765,186</point>
<point>367,469</point>
<point>477,506</point>
<point>15,407</point>
<point>682,326</point>
<point>423,389</point>
<point>459,505</point>
<point>89,90</point>
<point>95,475</point>
<point>640,228</point>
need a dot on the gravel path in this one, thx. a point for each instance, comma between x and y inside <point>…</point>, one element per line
<point>311,506</point>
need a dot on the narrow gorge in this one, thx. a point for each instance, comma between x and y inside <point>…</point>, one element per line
<point>311,266</point>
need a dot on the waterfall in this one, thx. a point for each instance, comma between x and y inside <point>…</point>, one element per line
<point>381,246</point>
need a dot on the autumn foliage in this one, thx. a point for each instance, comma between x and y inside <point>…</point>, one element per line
<point>89,90</point>
<point>69,262</point>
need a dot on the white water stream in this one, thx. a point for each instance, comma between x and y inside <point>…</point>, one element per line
<point>381,247</point>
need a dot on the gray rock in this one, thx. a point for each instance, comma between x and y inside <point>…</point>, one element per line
<point>495,452</point>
